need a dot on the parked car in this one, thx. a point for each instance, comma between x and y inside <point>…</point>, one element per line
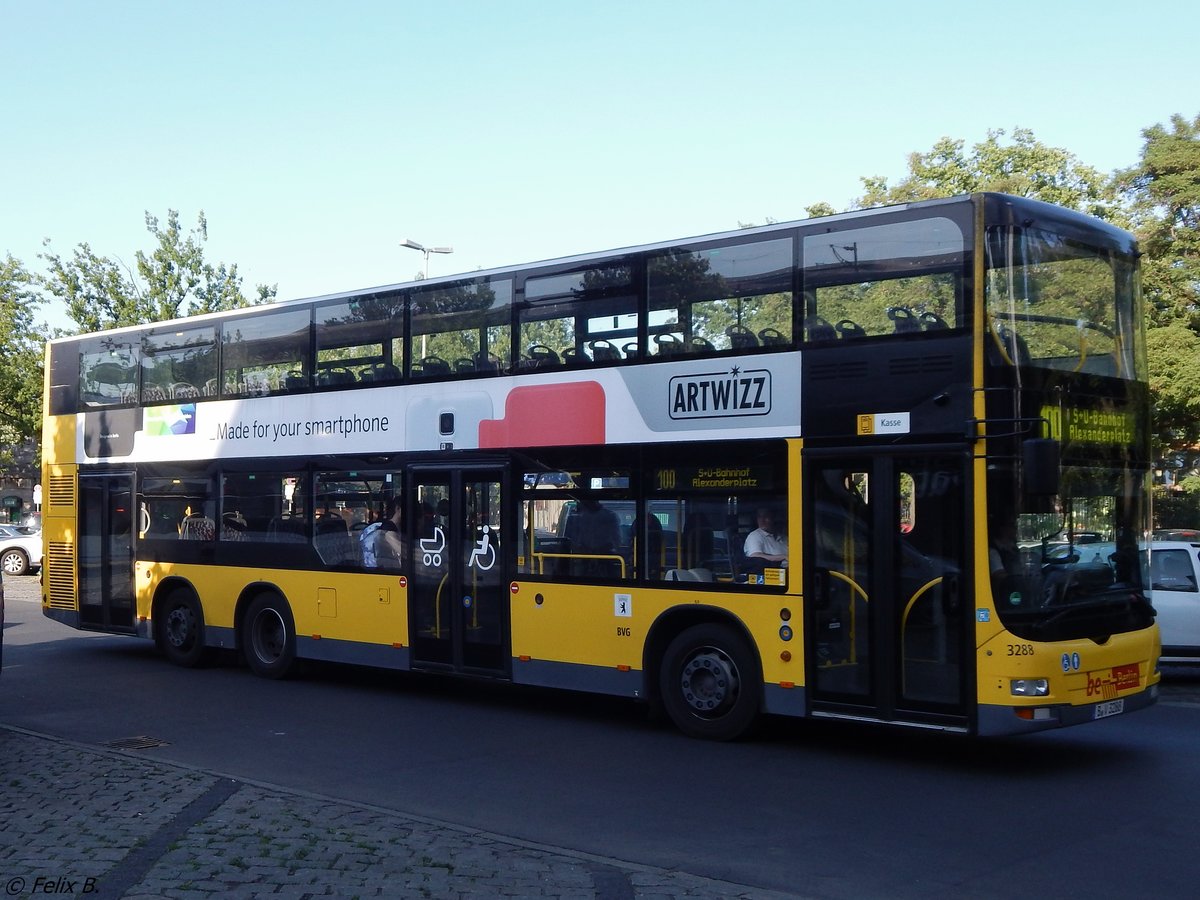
<point>1177,534</point>
<point>20,550</point>
<point>1175,592</point>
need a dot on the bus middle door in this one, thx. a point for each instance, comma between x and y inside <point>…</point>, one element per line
<point>458,594</point>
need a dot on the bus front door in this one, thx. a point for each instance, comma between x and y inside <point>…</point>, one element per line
<point>887,629</point>
<point>458,593</point>
<point>105,551</point>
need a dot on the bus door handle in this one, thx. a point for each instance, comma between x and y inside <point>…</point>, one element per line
<point>820,583</point>
<point>951,598</point>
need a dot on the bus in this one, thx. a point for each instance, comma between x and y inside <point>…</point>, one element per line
<point>929,405</point>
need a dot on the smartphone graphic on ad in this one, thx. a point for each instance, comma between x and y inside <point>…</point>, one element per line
<point>447,423</point>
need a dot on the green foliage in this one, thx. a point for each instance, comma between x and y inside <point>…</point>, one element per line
<point>20,358</point>
<point>171,281</point>
<point>1174,353</point>
<point>1024,167</point>
<point>1163,192</point>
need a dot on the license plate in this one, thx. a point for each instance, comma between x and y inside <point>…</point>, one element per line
<point>1110,708</point>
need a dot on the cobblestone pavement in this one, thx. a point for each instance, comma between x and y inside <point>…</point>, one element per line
<point>82,821</point>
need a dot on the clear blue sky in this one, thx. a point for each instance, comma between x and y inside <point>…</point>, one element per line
<point>316,136</point>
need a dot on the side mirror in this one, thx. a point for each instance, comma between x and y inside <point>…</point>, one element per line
<point>1040,459</point>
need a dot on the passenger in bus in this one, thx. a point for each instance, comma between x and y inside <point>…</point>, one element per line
<point>383,542</point>
<point>596,531</point>
<point>765,542</point>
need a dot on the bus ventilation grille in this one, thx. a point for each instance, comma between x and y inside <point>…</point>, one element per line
<point>62,491</point>
<point>921,365</point>
<point>60,574</point>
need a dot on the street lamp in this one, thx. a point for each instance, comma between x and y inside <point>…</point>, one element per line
<point>413,245</point>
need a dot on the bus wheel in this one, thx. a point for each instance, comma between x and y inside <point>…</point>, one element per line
<point>710,683</point>
<point>181,630</point>
<point>269,640</point>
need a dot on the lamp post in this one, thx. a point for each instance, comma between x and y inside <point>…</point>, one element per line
<point>413,245</point>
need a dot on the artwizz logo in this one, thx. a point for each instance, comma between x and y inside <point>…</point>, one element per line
<point>719,395</point>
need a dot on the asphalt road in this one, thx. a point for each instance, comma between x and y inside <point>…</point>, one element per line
<point>818,809</point>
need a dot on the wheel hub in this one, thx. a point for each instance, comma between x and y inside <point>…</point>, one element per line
<point>180,626</point>
<point>709,682</point>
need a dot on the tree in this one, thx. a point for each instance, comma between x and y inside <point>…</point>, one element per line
<point>21,364</point>
<point>1163,193</point>
<point>1024,167</point>
<point>172,281</point>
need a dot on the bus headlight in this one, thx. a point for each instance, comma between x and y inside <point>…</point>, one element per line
<point>1029,687</point>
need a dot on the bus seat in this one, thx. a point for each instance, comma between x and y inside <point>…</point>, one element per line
<point>903,320</point>
<point>574,356</point>
<point>817,329</point>
<point>681,575</point>
<point>336,375</point>
<point>741,337</point>
<point>485,362</point>
<point>849,330</point>
<point>181,390</point>
<point>332,540</point>
<point>630,350</point>
<point>295,381</point>
<point>931,321</point>
<point>700,345</point>
<point>541,357</point>
<point>286,530</point>
<point>773,337</point>
<point>198,528</point>
<point>604,351</point>
<point>380,372</point>
<point>464,364</point>
<point>701,574</point>
<point>431,367</point>
<point>667,344</point>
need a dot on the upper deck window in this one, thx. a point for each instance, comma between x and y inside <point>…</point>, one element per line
<point>179,363</point>
<point>108,371</point>
<point>899,278</point>
<point>361,339</point>
<point>731,298</point>
<point>579,318</point>
<point>462,328</point>
<point>266,354</point>
<point>1055,303</point>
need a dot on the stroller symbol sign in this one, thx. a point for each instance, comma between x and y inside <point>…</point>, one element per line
<point>432,547</point>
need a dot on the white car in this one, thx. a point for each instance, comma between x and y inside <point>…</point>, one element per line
<point>20,549</point>
<point>1175,592</point>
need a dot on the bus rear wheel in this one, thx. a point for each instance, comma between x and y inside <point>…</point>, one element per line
<point>709,683</point>
<point>180,631</point>
<point>269,638</point>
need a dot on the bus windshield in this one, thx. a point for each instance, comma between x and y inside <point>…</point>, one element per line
<point>1076,568</point>
<point>1056,303</point>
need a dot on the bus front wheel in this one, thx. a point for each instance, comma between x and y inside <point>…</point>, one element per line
<point>269,641</point>
<point>709,683</point>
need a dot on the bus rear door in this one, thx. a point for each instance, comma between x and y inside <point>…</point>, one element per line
<point>105,551</point>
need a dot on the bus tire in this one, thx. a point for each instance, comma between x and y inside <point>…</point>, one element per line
<point>709,683</point>
<point>269,637</point>
<point>180,632</point>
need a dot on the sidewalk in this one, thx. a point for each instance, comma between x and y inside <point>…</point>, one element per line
<point>86,821</point>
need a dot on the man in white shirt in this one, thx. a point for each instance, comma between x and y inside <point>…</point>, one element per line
<point>764,542</point>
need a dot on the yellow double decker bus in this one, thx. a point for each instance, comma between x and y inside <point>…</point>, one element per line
<point>840,467</point>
